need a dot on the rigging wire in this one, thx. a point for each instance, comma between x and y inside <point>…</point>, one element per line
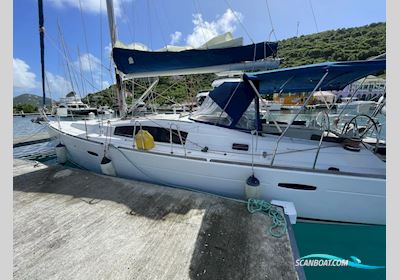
<point>80,70</point>
<point>52,41</point>
<point>160,26</point>
<point>169,25</point>
<point>86,42</point>
<point>124,12</point>
<point>149,24</point>
<point>313,14</point>
<point>101,46</point>
<point>270,21</point>
<point>201,28</point>
<point>162,93</point>
<point>240,22</point>
<point>67,64</point>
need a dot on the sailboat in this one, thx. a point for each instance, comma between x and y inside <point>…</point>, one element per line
<point>219,146</point>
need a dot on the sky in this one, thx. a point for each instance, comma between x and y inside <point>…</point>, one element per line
<point>82,25</point>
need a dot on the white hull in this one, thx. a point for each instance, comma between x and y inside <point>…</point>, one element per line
<point>338,196</point>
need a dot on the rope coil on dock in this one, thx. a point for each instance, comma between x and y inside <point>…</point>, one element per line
<point>278,228</point>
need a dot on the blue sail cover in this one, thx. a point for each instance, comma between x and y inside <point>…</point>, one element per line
<point>130,61</point>
<point>305,78</point>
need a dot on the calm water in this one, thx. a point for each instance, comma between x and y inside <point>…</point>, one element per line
<point>362,241</point>
<point>24,126</point>
<point>365,242</point>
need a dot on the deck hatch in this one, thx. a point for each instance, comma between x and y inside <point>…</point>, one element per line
<point>240,147</point>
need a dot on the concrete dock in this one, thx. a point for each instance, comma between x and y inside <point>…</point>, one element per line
<point>74,224</point>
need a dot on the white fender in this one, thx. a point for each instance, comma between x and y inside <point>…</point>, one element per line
<point>252,188</point>
<point>107,168</point>
<point>61,152</point>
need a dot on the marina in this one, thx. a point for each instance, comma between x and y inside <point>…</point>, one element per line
<point>216,155</point>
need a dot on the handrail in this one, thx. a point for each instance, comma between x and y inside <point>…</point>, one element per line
<point>351,97</point>
<point>265,104</point>
<point>297,114</point>
<point>319,148</point>
<point>134,133</point>
<point>180,137</point>
<point>86,129</point>
<point>321,139</point>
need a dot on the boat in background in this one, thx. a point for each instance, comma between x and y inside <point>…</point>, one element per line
<point>355,105</point>
<point>268,105</point>
<point>72,106</point>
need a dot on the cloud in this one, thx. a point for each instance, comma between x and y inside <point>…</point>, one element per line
<point>175,37</point>
<point>204,30</point>
<point>91,6</point>
<point>105,84</point>
<point>88,62</point>
<point>92,68</point>
<point>24,79</point>
<point>57,86</point>
<point>108,50</point>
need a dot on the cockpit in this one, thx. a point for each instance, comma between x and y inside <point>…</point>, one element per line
<point>231,104</point>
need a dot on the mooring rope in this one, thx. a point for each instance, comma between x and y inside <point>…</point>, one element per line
<point>279,227</point>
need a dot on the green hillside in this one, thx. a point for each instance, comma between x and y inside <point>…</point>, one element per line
<point>28,103</point>
<point>357,43</point>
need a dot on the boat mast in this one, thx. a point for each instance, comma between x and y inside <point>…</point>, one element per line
<point>113,35</point>
<point>41,33</point>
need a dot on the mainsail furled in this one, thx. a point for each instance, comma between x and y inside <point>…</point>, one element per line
<point>222,53</point>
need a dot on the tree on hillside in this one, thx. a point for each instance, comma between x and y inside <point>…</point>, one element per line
<point>27,108</point>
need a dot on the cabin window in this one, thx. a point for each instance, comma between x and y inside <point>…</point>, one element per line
<point>159,134</point>
<point>210,112</point>
<point>248,119</point>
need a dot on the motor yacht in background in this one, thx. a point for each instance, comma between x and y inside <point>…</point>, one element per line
<point>72,106</point>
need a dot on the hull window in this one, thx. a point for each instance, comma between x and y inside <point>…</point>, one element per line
<point>92,153</point>
<point>297,186</point>
<point>159,134</point>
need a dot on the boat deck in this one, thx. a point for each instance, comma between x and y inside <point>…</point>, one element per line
<point>74,224</point>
